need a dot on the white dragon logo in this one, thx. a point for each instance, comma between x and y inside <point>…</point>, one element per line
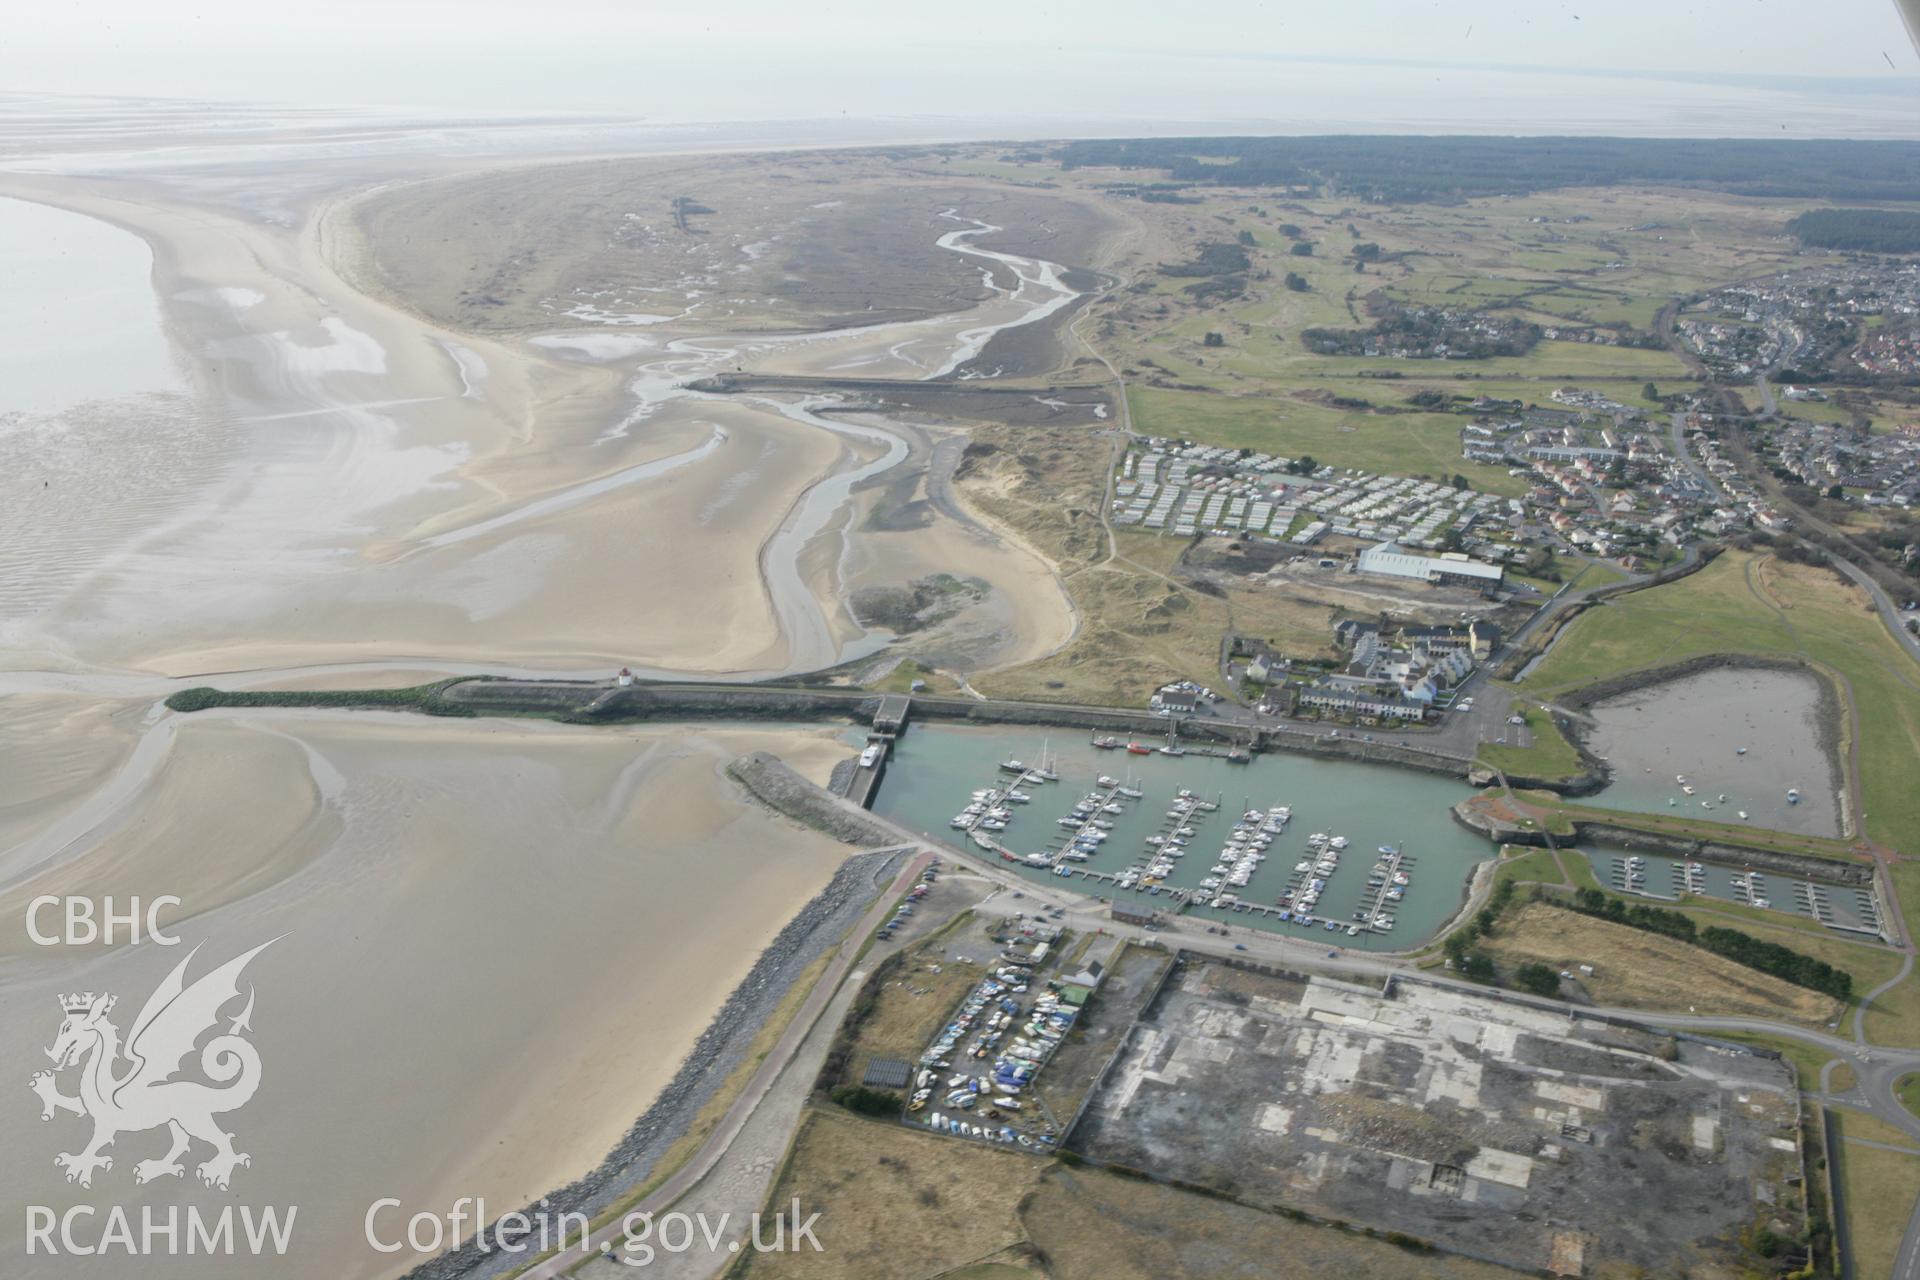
<point>144,1095</point>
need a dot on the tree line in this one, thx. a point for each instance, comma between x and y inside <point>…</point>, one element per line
<point>1741,948</point>
<point>1422,332</point>
<point>1406,169</point>
<point>1859,230</point>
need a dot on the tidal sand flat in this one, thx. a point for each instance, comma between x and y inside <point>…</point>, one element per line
<point>356,483</point>
<point>56,749</point>
<point>530,923</point>
<point>1024,613</point>
<point>496,943</point>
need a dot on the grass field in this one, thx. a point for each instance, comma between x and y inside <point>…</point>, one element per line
<point>1138,630</point>
<point>1870,963</point>
<point>1537,866</point>
<point>1784,927</point>
<point>1544,303</point>
<point>1549,755</point>
<point>1907,1088</point>
<point>1596,574</point>
<point>911,1003</point>
<point>1580,868</point>
<point>1388,444</point>
<point>1095,1226</point>
<point>1757,605</point>
<point>1561,814</point>
<point>1877,1189</point>
<point>894,1201</point>
<point>1139,627</point>
<point>1641,970</point>
<point>1894,1018</point>
<point>1528,865</point>
<point>1870,1128</point>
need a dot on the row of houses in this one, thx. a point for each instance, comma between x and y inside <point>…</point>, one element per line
<point>1605,480</point>
<point>1399,674</point>
<point>1880,470</point>
<point>1812,320</point>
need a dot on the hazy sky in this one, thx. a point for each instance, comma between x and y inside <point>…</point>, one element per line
<point>1713,66</point>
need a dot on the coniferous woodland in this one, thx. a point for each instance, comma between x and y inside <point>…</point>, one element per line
<point>1408,169</point>
<point>1859,230</point>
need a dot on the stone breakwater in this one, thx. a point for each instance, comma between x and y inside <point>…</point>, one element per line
<point>1596,775</point>
<point>768,779</point>
<point>722,1048</point>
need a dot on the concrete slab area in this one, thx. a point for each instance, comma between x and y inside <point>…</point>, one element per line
<point>1503,1130</point>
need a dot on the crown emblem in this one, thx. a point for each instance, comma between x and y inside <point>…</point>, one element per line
<point>81,1001</point>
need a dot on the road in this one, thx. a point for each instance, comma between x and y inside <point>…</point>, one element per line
<point>734,1169</point>
<point>1459,734</point>
<point>1877,1069</point>
<point>1889,611</point>
<point>1685,454</point>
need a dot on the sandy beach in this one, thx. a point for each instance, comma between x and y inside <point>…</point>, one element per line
<point>533,922</point>
<point>362,482</point>
<point>496,941</point>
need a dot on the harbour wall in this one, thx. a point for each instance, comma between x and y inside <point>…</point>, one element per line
<point>1831,715</point>
<point>1615,835</point>
<point>591,702</point>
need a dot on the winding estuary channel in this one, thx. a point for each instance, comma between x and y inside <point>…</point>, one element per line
<point>911,349</point>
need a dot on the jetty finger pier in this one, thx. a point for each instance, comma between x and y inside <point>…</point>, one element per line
<point>1082,844</point>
